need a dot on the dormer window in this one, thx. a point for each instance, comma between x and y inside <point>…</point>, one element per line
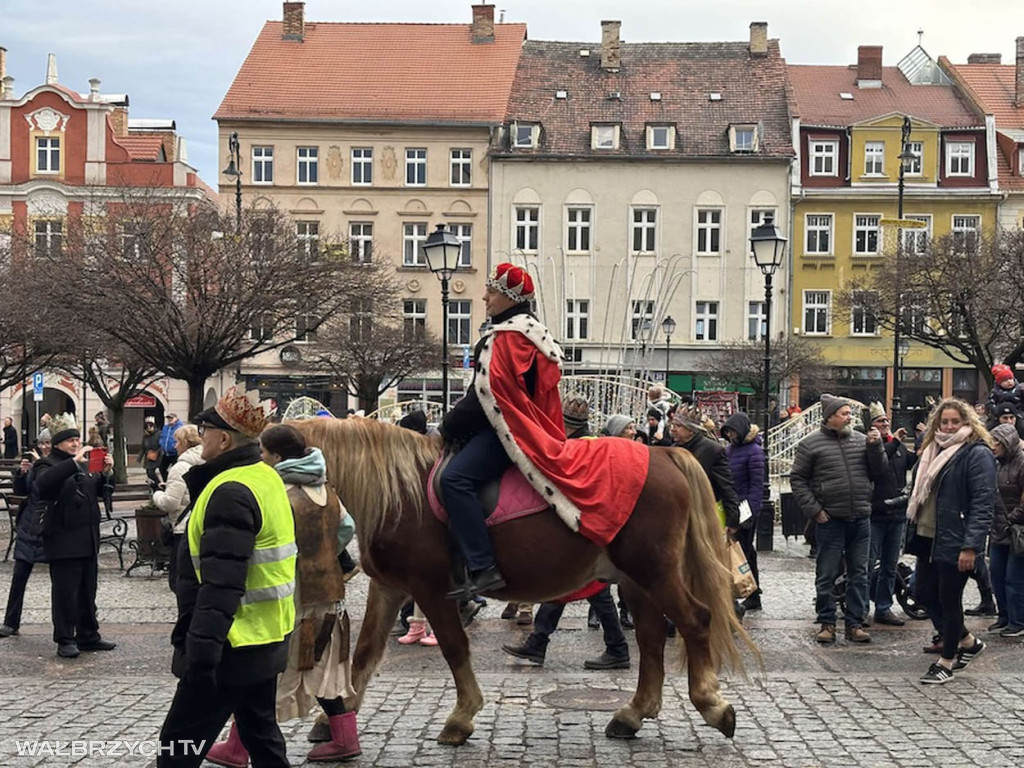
<point>604,137</point>
<point>525,135</point>
<point>661,137</point>
<point>743,138</point>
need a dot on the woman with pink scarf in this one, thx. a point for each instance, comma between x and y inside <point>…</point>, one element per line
<point>950,510</point>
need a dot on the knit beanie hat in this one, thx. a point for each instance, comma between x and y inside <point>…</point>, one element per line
<point>43,436</point>
<point>576,412</point>
<point>689,416</point>
<point>63,427</point>
<point>1002,373</point>
<point>414,420</point>
<point>654,413</point>
<point>830,404</point>
<point>617,425</point>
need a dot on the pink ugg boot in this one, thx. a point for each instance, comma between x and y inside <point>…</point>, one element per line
<point>430,639</point>
<point>230,753</point>
<point>344,743</point>
<point>417,631</point>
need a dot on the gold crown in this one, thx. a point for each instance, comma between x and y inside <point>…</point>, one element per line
<point>62,422</point>
<point>244,411</point>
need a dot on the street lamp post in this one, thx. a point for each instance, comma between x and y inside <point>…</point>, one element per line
<point>442,251</point>
<point>906,157</point>
<point>234,170</point>
<point>767,246</point>
<point>668,325</point>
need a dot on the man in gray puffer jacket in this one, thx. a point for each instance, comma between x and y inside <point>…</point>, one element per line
<point>832,480</point>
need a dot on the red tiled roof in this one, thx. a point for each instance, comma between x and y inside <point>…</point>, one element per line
<point>753,90</point>
<point>431,72</point>
<point>141,147</point>
<point>816,92</point>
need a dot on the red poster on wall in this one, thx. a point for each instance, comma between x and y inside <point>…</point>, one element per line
<point>140,401</point>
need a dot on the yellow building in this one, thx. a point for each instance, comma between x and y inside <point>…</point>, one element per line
<point>848,127</point>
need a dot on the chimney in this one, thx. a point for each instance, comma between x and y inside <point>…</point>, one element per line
<point>985,58</point>
<point>294,21</point>
<point>119,121</point>
<point>3,63</point>
<point>483,23</point>
<point>759,38</point>
<point>94,89</point>
<point>869,66</point>
<point>8,89</point>
<point>51,69</point>
<point>1019,86</point>
<point>611,57</point>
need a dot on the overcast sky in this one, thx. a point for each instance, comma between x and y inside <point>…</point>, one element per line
<point>177,59</point>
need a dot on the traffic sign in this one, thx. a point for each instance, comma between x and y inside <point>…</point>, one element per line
<point>37,386</point>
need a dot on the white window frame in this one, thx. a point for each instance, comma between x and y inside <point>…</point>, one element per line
<point>303,335</point>
<point>307,159</point>
<point>307,235</point>
<point>818,307</point>
<point>705,224</point>
<point>830,230</point>
<point>526,221</point>
<point>465,234</point>
<point>460,167</point>
<point>579,221</point>
<point>705,321</point>
<point>756,321</point>
<point>867,228</point>
<point>735,143</point>
<point>360,241</point>
<point>646,227</point>
<point>643,311</point>
<point>1020,159</point>
<point>263,159</point>
<point>48,147</point>
<point>52,234</point>
<point>756,217</point>
<point>859,312</point>
<point>670,137</point>
<point>460,322</point>
<point>263,331</point>
<point>416,161</point>
<point>915,240</point>
<point>874,158</point>
<point>360,320</point>
<point>955,151</point>
<point>823,150</point>
<point>525,135</point>
<point>362,158</point>
<point>604,137</point>
<point>414,235</point>
<point>916,168</point>
<point>414,319</point>
<point>577,319</point>
<point>959,227</point>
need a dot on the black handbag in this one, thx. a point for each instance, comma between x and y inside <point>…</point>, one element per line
<point>1016,532</point>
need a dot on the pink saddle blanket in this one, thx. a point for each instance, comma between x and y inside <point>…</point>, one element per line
<point>516,498</point>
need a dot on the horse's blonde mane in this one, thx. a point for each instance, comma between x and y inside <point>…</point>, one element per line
<point>376,468</point>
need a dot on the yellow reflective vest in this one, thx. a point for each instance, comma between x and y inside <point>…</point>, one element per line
<point>267,612</point>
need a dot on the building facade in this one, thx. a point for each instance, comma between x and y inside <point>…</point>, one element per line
<point>627,179</point>
<point>847,128</point>
<point>375,133</point>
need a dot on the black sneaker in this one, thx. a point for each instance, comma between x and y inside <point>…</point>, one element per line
<point>753,603</point>
<point>888,618</point>
<point>984,608</point>
<point>6,631</point>
<point>993,627</point>
<point>937,675</point>
<point>965,656</point>
<point>1012,632</point>
<point>67,650</point>
<point>607,661</point>
<point>97,645</point>
<point>526,651</point>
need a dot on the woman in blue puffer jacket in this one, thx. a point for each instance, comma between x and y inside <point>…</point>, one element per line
<point>746,462</point>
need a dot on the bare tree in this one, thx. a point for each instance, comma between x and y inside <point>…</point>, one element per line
<point>742,363</point>
<point>961,295</point>
<point>371,346</point>
<point>26,344</point>
<point>176,287</point>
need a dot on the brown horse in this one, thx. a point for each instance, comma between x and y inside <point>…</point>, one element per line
<point>669,560</point>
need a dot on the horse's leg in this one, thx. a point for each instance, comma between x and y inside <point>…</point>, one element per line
<point>444,619</point>
<point>382,604</point>
<point>650,637</point>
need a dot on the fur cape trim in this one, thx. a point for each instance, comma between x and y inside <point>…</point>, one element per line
<point>538,334</point>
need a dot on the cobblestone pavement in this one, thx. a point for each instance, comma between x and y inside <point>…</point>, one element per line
<point>812,706</point>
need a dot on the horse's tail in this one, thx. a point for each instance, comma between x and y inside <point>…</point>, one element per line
<point>706,568</point>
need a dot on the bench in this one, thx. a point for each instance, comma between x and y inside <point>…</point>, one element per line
<point>113,530</point>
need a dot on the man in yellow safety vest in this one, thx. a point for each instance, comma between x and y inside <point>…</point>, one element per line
<point>235,586</point>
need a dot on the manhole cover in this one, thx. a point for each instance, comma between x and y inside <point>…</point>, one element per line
<point>597,699</point>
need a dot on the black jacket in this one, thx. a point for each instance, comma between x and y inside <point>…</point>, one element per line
<point>467,417</point>
<point>69,506</point>
<point>205,611</point>
<point>835,474</point>
<point>965,499</point>
<point>28,547</point>
<point>713,459</point>
<point>1013,397</point>
<point>1009,507</point>
<point>10,442</point>
<point>890,484</point>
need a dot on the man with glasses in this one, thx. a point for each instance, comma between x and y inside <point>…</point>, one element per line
<point>888,515</point>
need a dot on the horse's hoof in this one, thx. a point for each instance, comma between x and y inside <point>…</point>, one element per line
<point>619,729</point>
<point>454,736</point>
<point>727,723</point>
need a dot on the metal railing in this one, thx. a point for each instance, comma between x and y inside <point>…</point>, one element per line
<point>784,438</point>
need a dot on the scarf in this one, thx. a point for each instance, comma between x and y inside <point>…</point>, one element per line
<point>937,455</point>
<point>310,469</point>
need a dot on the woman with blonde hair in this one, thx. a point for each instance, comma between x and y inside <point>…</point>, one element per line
<point>950,510</point>
<point>172,497</point>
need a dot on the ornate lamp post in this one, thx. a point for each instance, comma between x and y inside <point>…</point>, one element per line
<point>442,252</point>
<point>234,170</point>
<point>668,325</point>
<point>768,247</point>
<point>906,157</point>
